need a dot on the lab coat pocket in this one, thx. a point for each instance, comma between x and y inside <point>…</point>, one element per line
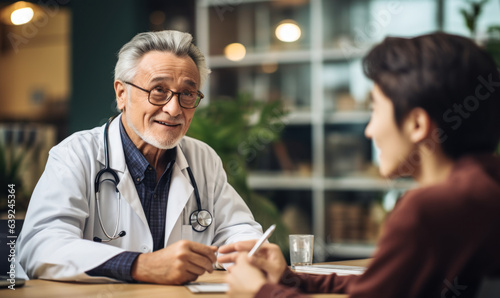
<point>187,232</point>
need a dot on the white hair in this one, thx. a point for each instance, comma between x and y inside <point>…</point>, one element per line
<point>178,43</point>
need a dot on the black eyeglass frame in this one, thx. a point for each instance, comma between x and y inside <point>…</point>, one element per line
<point>200,95</point>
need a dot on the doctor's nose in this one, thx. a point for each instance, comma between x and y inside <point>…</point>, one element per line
<point>172,107</point>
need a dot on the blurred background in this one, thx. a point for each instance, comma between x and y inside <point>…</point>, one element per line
<point>310,160</point>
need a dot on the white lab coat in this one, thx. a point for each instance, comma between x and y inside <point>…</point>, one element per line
<point>56,238</point>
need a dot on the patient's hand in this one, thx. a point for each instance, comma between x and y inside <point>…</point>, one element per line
<point>268,258</point>
<point>244,279</point>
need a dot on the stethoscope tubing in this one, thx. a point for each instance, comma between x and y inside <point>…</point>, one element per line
<point>115,235</point>
<point>200,219</point>
<point>115,180</point>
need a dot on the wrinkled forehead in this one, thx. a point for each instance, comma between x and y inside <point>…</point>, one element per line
<point>158,66</point>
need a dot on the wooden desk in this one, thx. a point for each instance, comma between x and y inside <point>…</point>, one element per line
<point>52,289</point>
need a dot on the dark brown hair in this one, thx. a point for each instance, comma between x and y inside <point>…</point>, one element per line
<point>451,78</point>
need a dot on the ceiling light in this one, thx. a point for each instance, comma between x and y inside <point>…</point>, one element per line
<point>22,15</point>
<point>288,31</point>
<point>235,51</point>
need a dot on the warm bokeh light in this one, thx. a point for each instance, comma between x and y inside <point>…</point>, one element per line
<point>157,17</point>
<point>235,51</point>
<point>288,31</point>
<point>22,16</point>
<point>269,67</point>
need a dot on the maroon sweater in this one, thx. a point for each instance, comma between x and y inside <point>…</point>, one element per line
<point>439,241</point>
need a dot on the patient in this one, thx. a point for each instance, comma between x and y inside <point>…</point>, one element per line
<point>436,118</point>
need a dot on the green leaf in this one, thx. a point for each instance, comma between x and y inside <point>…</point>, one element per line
<point>3,164</point>
<point>229,127</point>
<point>472,14</point>
<point>11,160</point>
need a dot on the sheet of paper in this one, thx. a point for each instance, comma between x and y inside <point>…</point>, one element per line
<point>207,287</point>
<point>329,269</point>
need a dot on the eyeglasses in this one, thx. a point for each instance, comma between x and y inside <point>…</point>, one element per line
<point>159,96</point>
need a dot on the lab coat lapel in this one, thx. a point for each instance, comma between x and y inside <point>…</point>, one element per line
<point>178,195</point>
<point>129,193</point>
<point>116,156</point>
<point>126,186</point>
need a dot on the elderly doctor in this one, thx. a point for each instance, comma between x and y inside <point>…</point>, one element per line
<point>151,227</point>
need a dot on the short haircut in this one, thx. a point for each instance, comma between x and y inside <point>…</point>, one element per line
<point>178,43</point>
<point>455,81</point>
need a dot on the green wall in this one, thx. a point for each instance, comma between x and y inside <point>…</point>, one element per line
<point>99,29</point>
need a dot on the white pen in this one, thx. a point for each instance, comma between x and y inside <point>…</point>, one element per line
<point>262,239</point>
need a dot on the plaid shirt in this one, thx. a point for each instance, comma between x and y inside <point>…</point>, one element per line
<point>154,197</point>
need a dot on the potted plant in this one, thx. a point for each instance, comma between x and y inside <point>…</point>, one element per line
<point>471,16</point>
<point>11,160</point>
<point>492,42</point>
<point>236,128</point>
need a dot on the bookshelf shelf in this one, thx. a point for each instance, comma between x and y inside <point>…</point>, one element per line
<point>325,92</point>
<point>350,250</point>
<point>303,117</point>
<point>278,180</point>
<point>252,59</point>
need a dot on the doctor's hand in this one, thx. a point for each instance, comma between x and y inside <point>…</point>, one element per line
<point>268,258</point>
<point>175,264</point>
<point>244,279</point>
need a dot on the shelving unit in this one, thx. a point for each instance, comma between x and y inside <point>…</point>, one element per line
<point>260,180</point>
<point>323,88</point>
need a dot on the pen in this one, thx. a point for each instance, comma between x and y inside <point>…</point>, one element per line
<point>264,237</point>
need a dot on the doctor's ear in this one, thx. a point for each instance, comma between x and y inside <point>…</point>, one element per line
<point>121,94</point>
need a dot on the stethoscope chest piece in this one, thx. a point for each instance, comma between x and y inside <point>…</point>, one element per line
<point>201,220</point>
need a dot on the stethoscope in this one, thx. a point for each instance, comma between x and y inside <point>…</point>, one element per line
<point>200,219</point>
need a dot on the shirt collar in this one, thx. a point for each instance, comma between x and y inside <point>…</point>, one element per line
<point>136,162</point>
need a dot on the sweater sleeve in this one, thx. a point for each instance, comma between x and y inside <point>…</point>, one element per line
<point>404,259</point>
<point>404,244</point>
<point>294,284</point>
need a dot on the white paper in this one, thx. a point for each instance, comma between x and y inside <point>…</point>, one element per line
<point>329,269</point>
<point>207,287</point>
